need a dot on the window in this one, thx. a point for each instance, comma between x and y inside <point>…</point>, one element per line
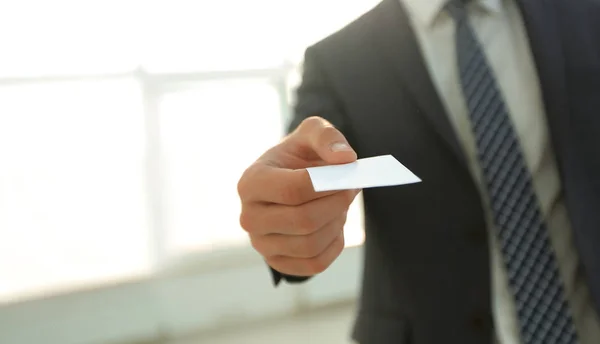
<point>210,133</point>
<point>125,125</point>
<point>69,37</point>
<point>72,199</point>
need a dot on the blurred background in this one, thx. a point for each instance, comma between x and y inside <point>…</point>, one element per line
<point>124,127</point>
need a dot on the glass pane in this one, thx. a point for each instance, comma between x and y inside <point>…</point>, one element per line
<point>41,37</point>
<point>210,134</point>
<point>215,35</point>
<point>190,35</point>
<point>72,204</point>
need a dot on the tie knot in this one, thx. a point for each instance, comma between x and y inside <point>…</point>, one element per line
<point>457,9</point>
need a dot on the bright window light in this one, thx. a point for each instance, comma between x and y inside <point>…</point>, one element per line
<point>72,199</point>
<point>79,83</point>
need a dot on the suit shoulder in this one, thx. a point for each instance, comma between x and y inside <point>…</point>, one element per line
<point>349,35</point>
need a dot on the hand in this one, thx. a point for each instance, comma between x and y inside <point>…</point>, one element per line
<point>297,230</point>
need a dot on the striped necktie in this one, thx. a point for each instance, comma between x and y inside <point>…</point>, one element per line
<point>542,310</point>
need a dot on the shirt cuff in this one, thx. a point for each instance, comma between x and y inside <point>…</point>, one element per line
<point>278,276</point>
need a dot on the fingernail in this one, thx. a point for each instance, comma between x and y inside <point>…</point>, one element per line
<point>340,147</point>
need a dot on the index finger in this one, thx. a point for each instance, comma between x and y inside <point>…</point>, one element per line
<point>265,183</point>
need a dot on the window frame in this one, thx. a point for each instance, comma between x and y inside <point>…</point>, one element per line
<point>167,303</point>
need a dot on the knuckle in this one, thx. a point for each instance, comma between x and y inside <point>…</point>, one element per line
<point>316,127</point>
<point>323,261</point>
<point>245,182</point>
<point>257,244</point>
<point>278,265</point>
<point>242,187</point>
<point>327,133</point>
<point>247,221</point>
<point>318,265</point>
<point>313,122</point>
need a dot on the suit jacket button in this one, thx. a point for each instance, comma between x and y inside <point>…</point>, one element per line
<point>478,322</point>
<point>481,322</point>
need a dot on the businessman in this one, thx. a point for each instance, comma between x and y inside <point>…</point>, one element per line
<point>495,104</point>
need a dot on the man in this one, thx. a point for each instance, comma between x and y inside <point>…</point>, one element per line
<point>495,105</point>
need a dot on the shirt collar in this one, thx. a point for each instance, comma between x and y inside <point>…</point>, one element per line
<point>427,11</point>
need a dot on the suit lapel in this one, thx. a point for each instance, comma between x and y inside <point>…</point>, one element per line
<point>541,21</point>
<point>396,42</point>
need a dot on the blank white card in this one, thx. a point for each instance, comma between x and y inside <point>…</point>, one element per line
<point>371,172</point>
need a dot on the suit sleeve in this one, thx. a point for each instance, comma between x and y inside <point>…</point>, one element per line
<point>314,97</point>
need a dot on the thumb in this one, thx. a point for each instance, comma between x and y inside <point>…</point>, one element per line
<point>323,139</point>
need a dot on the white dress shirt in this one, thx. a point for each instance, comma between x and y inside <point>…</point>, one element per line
<point>499,27</point>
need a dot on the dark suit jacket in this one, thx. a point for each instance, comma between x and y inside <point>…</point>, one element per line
<point>426,274</point>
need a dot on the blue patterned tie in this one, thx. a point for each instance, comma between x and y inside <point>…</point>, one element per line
<point>542,310</point>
